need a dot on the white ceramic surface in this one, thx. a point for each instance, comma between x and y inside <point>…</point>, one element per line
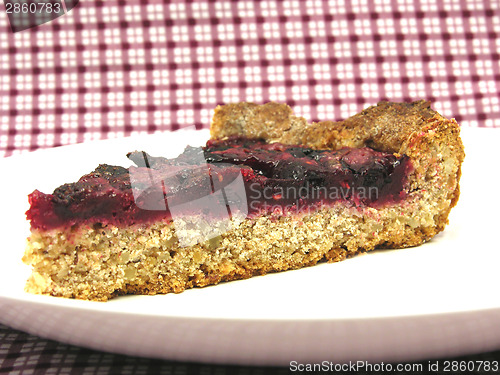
<point>439,299</point>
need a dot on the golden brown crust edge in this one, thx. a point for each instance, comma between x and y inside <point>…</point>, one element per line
<point>431,141</point>
<point>386,126</point>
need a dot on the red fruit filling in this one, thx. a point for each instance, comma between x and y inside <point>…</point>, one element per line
<point>249,174</point>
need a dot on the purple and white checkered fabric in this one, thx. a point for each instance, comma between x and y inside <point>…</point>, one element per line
<point>115,68</point>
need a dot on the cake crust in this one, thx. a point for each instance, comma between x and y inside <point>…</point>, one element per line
<point>101,261</point>
<point>431,141</point>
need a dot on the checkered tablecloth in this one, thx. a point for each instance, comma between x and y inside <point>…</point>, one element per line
<point>117,68</point>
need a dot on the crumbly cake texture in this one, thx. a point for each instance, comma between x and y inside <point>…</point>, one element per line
<point>95,262</point>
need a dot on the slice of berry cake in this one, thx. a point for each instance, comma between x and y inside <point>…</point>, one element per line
<point>269,192</point>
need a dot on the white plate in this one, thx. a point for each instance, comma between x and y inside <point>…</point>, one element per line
<point>439,299</point>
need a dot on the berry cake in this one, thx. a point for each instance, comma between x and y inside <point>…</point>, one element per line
<point>271,193</point>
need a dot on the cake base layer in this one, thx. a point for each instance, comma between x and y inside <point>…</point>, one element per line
<point>97,263</point>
